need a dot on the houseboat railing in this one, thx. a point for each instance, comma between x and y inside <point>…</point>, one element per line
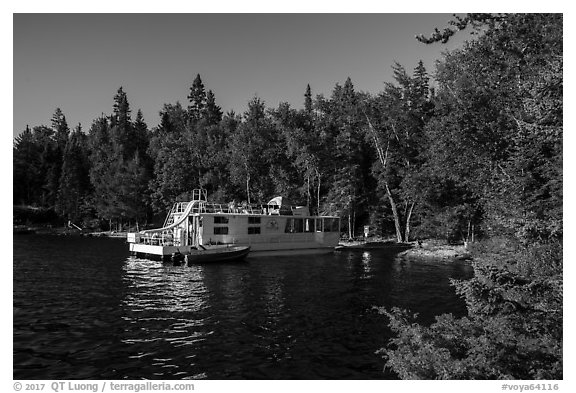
<point>231,208</point>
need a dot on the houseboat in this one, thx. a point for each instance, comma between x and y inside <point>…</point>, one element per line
<point>272,229</point>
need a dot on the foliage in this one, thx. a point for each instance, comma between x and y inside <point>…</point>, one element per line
<point>497,138</point>
<point>120,167</point>
<point>74,182</point>
<point>396,120</point>
<point>513,329</point>
<point>255,154</point>
<point>173,172</point>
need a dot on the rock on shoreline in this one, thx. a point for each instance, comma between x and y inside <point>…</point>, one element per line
<point>440,252</point>
<point>430,249</point>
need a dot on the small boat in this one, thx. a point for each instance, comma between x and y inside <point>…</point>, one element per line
<point>178,258</point>
<point>219,254</point>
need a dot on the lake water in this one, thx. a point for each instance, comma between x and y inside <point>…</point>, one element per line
<point>85,309</point>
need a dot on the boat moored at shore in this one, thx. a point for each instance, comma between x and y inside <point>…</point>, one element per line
<point>269,230</point>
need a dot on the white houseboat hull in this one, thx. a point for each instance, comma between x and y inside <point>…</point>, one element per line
<point>257,249</point>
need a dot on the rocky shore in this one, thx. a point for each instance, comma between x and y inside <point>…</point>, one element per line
<point>440,252</point>
<point>425,249</point>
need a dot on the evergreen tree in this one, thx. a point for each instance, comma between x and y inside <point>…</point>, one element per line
<point>26,168</point>
<point>60,126</point>
<point>60,139</point>
<point>48,166</point>
<point>130,191</point>
<point>74,180</point>
<point>308,100</point>
<point>197,100</point>
<point>122,131</point>
<point>102,167</point>
<point>142,143</point>
<point>121,110</point>
<point>212,112</point>
<point>344,124</point>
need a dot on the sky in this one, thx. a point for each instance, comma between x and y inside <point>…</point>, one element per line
<point>77,62</point>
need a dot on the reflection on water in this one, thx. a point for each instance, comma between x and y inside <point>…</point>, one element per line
<point>366,257</point>
<point>83,308</point>
<point>164,309</point>
<point>182,290</point>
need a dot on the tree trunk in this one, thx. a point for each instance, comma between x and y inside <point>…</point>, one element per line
<point>248,186</point>
<point>394,213</point>
<point>349,226</point>
<point>408,218</point>
<point>318,193</point>
<point>308,187</point>
<point>383,157</point>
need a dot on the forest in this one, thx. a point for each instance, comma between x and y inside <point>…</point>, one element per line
<point>471,152</point>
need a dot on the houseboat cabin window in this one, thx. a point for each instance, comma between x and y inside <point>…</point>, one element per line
<point>253,230</point>
<point>254,220</point>
<point>220,220</point>
<point>309,225</point>
<point>289,225</point>
<point>319,225</point>
<point>220,230</point>
<point>294,225</point>
<point>331,225</point>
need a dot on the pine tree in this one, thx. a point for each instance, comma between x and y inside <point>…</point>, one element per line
<point>74,180</point>
<point>102,167</point>
<point>212,112</point>
<point>308,100</point>
<point>141,138</point>
<point>122,132</point>
<point>60,126</point>
<point>197,100</point>
<point>26,167</point>
<point>53,143</point>
<point>349,150</point>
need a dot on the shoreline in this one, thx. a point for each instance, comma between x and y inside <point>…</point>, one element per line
<point>446,252</point>
<point>63,231</point>
<point>430,249</point>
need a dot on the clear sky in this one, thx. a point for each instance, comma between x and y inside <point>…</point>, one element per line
<point>78,61</point>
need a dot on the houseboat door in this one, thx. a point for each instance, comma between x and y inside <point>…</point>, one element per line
<point>193,231</point>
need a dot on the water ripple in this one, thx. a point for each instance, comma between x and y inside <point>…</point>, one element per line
<point>84,309</point>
